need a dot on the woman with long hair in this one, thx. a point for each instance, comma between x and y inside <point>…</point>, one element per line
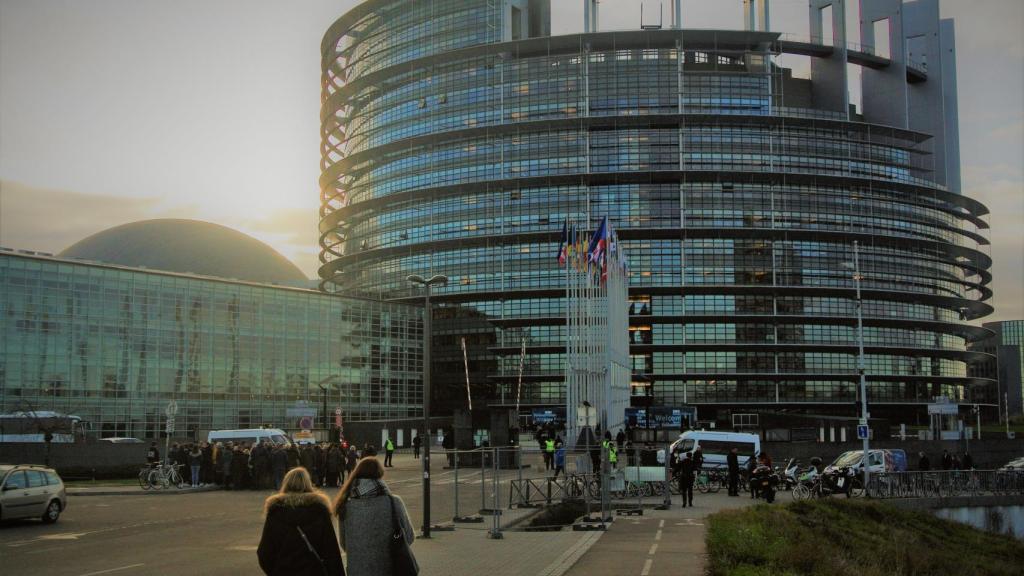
<point>298,533</point>
<point>368,515</point>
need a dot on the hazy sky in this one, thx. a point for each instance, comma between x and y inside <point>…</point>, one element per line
<point>118,110</point>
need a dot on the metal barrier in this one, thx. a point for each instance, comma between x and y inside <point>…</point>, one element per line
<point>946,484</point>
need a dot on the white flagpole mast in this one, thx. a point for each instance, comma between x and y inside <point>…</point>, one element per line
<point>465,363</point>
<point>519,386</point>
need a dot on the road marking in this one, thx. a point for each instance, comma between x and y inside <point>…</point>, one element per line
<point>243,548</point>
<point>657,536</point>
<point>647,567</point>
<point>112,570</point>
<point>689,522</point>
<point>654,548</point>
<point>661,523</point>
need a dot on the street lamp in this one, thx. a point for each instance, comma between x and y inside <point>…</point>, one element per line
<point>438,280</point>
<point>323,397</point>
<point>857,277</point>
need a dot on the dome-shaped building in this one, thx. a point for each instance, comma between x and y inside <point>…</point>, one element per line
<point>188,246</point>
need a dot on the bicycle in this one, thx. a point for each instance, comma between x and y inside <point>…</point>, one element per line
<point>710,481</point>
<point>164,476</point>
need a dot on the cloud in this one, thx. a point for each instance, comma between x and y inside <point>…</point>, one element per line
<point>1001,188</point>
<point>50,220</point>
<point>293,232</point>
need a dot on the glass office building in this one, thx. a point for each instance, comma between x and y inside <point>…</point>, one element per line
<point>1004,365</point>
<point>458,135</point>
<point>115,344</point>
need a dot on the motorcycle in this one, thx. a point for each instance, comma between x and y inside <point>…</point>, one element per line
<point>764,481</point>
<point>789,475</point>
<point>842,479</point>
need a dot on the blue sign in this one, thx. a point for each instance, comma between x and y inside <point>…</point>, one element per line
<point>862,432</point>
<point>661,417</point>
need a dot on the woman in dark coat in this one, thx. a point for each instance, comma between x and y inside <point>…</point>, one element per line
<point>298,510</point>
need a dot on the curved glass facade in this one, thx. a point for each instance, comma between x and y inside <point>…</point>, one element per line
<point>738,203</point>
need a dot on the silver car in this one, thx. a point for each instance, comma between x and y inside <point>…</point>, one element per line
<point>31,491</point>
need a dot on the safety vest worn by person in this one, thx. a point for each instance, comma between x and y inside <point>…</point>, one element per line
<point>389,445</point>
<point>613,456</point>
<point>549,446</point>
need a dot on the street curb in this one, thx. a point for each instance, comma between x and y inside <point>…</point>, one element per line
<point>139,492</point>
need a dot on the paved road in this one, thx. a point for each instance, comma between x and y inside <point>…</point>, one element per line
<point>217,532</point>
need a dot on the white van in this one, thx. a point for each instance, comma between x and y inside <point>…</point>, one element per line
<point>716,446</point>
<point>249,435</point>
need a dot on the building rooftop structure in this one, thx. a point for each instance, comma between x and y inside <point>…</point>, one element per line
<point>188,246</point>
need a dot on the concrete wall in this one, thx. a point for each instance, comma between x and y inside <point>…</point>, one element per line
<point>987,454</point>
<point>370,431</point>
<point>999,514</point>
<point>100,460</point>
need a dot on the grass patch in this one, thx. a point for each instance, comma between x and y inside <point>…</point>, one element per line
<point>840,537</point>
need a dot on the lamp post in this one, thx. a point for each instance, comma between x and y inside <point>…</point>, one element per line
<point>866,460</point>
<point>323,397</point>
<point>427,316</point>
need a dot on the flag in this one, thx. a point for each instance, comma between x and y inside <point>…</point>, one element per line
<point>599,243</point>
<point>563,244</point>
<point>570,244</point>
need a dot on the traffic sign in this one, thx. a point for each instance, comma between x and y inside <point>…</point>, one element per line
<point>337,411</point>
<point>172,409</point>
<point>170,425</point>
<point>862,432</point>
<point>306,422</point>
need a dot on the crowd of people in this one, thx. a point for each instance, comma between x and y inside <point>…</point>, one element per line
<point>259,466</point>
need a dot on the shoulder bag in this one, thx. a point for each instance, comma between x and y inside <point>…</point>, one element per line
<point>323,565</point>
<point>404,563</point>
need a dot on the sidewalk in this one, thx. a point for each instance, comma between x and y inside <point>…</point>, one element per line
<point>659,543</point>
<point>129,490</point>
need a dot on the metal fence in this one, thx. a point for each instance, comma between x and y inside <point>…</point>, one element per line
<point>495,489</point>
<point>946,484</point>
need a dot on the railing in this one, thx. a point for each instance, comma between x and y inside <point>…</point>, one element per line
<point>946,484</point>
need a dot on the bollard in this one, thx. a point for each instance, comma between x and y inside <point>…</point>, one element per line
<point>496,524</point>
<point>456,463</point>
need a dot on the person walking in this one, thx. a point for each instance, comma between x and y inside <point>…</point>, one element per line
<point>368,517</point>
<point>335,466</point>
<point>733,463</point>
<point>559,458</point>
<point>620,439</point>
<point>549,452</point>
<point>389,452</point>
<point>416,443</point>
<point>279,465</point>
<point>947,460</point>
<point>224,457</point>
<point>152,455</point>
<point>685,474</point>
<point>195,462</point>
<point>923,463</point>
<point>968,462</point>
<point>298,531</point>
<point>351,459</point>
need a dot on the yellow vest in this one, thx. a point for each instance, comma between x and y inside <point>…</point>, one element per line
<point>549,445</point>
<point>613,456</point>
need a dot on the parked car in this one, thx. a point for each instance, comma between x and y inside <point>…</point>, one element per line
<point>1016,464</point>
<point>894,460</point>
<point>31,491</point>
<point>121,440</point>
<point>250,435</point>
<point>716,446</point>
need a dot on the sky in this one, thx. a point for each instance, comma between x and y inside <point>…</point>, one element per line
<point>113,111</point>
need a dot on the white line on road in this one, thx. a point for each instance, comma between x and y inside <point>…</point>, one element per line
<point>647,567</point>
<point>654,548</point>
<point>661,523</point>
<point>657,536</point>
<point>112,570</point>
